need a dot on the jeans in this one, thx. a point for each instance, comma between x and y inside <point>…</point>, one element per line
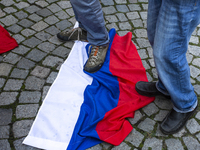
<point>170,24</point>
<point>89,14</point>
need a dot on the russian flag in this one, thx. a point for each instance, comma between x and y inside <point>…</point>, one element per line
<point>83,109</point>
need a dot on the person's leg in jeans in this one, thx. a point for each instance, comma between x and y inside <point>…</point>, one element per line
<point>170,25</point>
<point>89,14</point>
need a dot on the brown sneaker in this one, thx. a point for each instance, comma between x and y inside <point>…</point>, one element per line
<point>73,34</point>
<point>96,58</point>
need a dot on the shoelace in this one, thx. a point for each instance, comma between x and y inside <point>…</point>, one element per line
<point>94,55</point>
<point>74,30</point>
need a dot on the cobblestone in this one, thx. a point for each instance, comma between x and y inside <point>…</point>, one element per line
<point>28,71</point>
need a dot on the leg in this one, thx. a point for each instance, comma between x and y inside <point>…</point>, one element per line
<point>89,14</point>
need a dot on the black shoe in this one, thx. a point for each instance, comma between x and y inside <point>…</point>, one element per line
<point>175,121</point>
<point>148,89</point>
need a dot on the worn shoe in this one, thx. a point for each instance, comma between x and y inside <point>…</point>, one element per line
<point>73,34</point>
<point>175,121</point>
<point>148,89</point>
<point>96,58</point>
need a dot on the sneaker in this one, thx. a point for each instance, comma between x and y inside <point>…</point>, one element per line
<point>96,58</point>
<point>73,34</point>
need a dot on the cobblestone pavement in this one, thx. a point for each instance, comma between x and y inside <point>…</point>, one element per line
<point>27,72</point>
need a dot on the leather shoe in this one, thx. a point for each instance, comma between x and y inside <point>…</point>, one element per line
<point>175,121</point>
<point>148,89</point>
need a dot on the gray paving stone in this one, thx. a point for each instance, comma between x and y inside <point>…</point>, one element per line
<point>52,61</point>
<point>194,71</point>
<point>198,136</point>
<point>44,12</point>
<point>32,42</point>
<point>145,64</point>
<point>21,128</point>
<point>150,79</point>
<point>107,2</point>
<point>13,85</point>
<point>163,103</point>
<point>42,3</point>
<point>141,33</point>
<point>54,40</point>
<point>19,38</point>
<point>29,97</point>
<point>21,5</point>
<point>26,111</point>
<point>4,132</point>
<point>191,143</point>
<point>36,55</point>
<point>137,23</point>
<point>62,15</point>
<point>189,57</point>
<point>161,115</point>
<point>193,126</point>
<point>154,72</point>
<point>7,98</point>
<point>135,138</point>
<point>4,144</point>
<point>72,20</point>
<point>2,81</point>
<point>46,47</point>
<point>40,72</point>
<point>111,18</point>
<point>69,44</point>
<point>195,50</point>
<point>196,62</point>
<point>63,24</point>
<point>21,14</point>
<point>9,10</point>
<point>5,69</point>
<point>54,8</point>
<point>150,109</point>
<point>64,4</point>
<point>31,1</point>
<point>197,89</point>
<point>9,20</point>
<point>154,143</point>
<point>174,144</point>
<point>125,26</point>
<point>198,115</point>
<point>122,33</point>
<point>145,6</point>
<point>45,91</point>
<point>150,52</point>
<point>152,63</point>
<point>39,26</point>
<point>96,147</point>
<point>19,73</point>
<point>52,30</point>
<point>194,40</point>
<point>122,8</point>
<point>61,51</point>
<point>28,32</point>
<point>21,49</point>
<point>25,23</point>
<point>51,1</point>
<point>51,20</point>
<point>133,15</point>
<point>147,125</point>
<point>34,83</point>
<point>143,42</point>
<point>143,15</point>
<point>19,146</point>
<point>121,1</point>
<point>70,12</point>
<point>12,58</point>
<point>35,17</point>
<point>134,7</point>
<point>106,145</point>
<point>6,116</point>
<point>51,77</point>
<point>2,14</point>
<point>109,10</point>
<point>43,36</point>
<point>159,133</point>
<point>142,53</point>
<point>14,28</point>
<point>123,146</point>
<point>7,2</point>
<point>112,25</point>
<point>32,9</point>
<point>25,64</point>
<point>121,17</point>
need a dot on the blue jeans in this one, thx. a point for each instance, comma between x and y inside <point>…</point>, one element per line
<point>170,24</point>
<point>90,17</point>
